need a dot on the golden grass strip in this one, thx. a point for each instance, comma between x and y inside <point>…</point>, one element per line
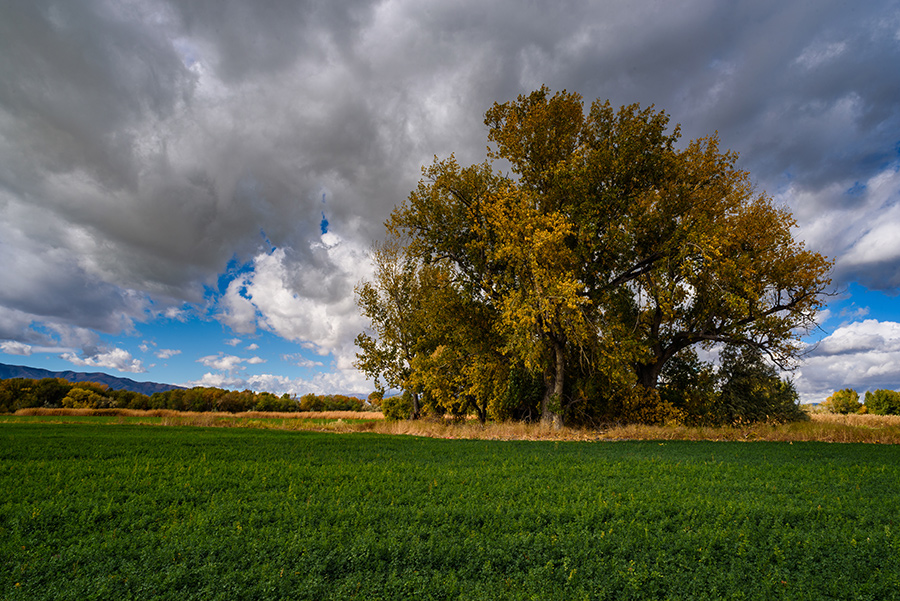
<point>822,427</point>
<point>42,411</point>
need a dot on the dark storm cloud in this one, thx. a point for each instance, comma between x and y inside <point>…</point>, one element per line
<point>145,144</point>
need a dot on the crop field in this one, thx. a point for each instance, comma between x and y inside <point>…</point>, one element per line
<point>122,511</point>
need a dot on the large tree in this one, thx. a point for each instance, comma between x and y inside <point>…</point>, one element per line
<point>607,250</point>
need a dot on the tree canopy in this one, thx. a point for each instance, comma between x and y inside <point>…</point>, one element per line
<point>604,252</point>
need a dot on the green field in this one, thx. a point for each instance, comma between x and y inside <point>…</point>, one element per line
<point>92,511</point>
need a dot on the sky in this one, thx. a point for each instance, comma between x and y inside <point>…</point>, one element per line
<point>189,189</point>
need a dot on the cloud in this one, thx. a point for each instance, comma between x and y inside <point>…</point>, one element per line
<point>313,303</point>
<point>854,222</point>
<point>221,362</point>
<point>167,353</point>
<point>118,359</point>
<point>334,383</point>
<point>300,360</point>
<point>16,348</point>
<point>863,355</point>
<point>252,347</point>
<point>211,380</point>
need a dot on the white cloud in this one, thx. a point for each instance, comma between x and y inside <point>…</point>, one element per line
<point>818,54</point>
<point>351,382</point>
<point>15,348</point>
<point>255,360</point>
<point>177,314</point>
<point>221,362</point>
<point>253,347</point>
<point>118,359</point>
<point>210,380</point>
<point>300,360</point>
<point>313,306</point>
<point>233,341</point>
<point>863,355</point>
<point>857,226</point>
<point>167,353</point>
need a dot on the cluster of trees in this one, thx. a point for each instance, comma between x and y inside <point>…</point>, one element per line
<point>579,286</point>
<point>880,402</point>
<point>21,393</point>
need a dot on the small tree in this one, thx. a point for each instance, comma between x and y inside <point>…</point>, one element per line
<point>883,402</point>
<point>751,390</point>
<point>843,401</point>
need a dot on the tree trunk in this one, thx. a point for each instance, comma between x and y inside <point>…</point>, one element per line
<point>648,374</point>
<point>414,414</point>
<point>551,405</point>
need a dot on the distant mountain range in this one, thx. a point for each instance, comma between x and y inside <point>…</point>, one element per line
<point>36,373</point>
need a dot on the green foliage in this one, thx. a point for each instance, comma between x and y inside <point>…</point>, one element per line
<point>690,385</point>
<point>522,399</point>
<point>883,402</point>
<point>750,390</point>
<point>844,401</point>
<point>122,512</point>
<point>19,393</point>
<point>397,407</point>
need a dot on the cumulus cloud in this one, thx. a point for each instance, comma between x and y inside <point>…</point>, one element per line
<point>16,348</point>
<point>854,222</point>
<point>331,383</point>
<point>167,353</point>
<point>300,361</point>
<point>313,304</point>
<point>222,362</point>
<point>863,355</point>
<point>118,359</point>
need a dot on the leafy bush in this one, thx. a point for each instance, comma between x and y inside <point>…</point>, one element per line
<point>883,402</point>
<point>397,407</point>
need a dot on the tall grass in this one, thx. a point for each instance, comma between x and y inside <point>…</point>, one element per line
<point>171,413</point>
<point>820,427</point>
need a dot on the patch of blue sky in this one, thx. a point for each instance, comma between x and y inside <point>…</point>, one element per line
<point>857,189</point>
<point>171,351</point>
<point>857,303</point>
<point>234,270</point>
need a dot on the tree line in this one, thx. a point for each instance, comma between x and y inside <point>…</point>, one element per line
<point>879,402</point>
<point>23,393</point>
<point>579,285</point>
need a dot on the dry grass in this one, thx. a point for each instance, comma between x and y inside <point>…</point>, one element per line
<point>40,411</point>
<point>821,426</point>
<point>215,414</point>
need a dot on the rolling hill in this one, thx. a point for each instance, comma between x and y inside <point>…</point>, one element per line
<point>115,383</point>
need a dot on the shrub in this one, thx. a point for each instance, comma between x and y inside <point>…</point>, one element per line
<point>397,407</point>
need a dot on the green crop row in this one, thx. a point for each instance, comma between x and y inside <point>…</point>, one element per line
<point>129,512</point>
